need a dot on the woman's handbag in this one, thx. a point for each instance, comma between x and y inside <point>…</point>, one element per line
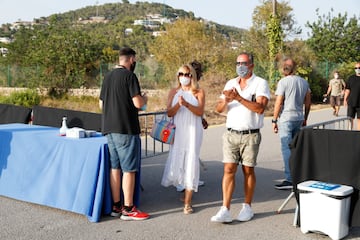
<point>163,130</point>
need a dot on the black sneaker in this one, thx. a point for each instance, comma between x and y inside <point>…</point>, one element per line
<point>284,185</point>
<point>116,211</point>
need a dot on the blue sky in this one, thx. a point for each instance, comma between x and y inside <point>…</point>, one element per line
<point>230,12</point>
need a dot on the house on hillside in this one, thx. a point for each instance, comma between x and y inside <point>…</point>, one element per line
<point>5,40</point>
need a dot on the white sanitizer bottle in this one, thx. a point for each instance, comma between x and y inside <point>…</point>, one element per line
<point>63,127</point>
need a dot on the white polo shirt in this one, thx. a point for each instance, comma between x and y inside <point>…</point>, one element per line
<point>238,116</point>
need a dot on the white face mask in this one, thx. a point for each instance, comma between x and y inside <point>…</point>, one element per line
<point>184,81</point>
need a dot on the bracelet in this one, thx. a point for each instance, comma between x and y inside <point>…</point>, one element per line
<point>274,121</point>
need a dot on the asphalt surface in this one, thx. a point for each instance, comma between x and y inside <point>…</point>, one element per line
<point>22,220</point>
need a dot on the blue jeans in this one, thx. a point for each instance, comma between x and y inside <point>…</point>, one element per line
<point>287,131</point>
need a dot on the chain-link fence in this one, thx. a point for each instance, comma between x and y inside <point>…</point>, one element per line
<point>317,74</point>
<point>42,76</point>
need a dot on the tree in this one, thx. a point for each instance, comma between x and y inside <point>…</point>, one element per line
<point>186,40</point>
<point>63,55</point>
<point>275,36</point>
<point>267,33</point>
<point>335,39</point>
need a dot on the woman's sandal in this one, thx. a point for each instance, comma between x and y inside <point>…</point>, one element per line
<point>188,209</point>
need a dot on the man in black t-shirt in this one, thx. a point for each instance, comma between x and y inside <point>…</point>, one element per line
<point>352,96</point>
<point>120,101</point>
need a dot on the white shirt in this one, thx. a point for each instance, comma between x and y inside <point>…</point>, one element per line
<point>240,117</point>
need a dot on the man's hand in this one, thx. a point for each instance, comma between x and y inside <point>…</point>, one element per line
<point>230,94</point>
<point>275,127</point>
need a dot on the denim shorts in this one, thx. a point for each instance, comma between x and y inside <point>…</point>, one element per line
<point>125,151</point>
<point>241,148</point>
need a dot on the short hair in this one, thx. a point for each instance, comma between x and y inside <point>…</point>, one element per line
<point>198,69</point>
<point>126,51</point>
<point>250,56</point>
<point>288,69</point>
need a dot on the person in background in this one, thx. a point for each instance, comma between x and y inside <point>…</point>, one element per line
<point>292,94</point>
<point>245,98</point>
<point>352,96</point>
<point>186,103</point>
<point>120,101</point>
<point>335,89</point>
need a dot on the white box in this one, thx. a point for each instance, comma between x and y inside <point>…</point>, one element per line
<point>324,207</point>
<point>75,132</point>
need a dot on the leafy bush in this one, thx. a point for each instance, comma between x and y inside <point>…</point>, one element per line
<point>27,98</point>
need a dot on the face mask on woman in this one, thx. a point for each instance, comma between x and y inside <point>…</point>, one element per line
<point>184,81</point>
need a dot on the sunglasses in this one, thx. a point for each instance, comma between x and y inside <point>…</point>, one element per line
<point>356,67</point>
<point>180,74</point>
<point>242,63</point>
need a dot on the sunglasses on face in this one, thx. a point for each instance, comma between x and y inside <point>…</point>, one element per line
<point>180,74</point>
<point>242,63</point>
<point>356,67</point>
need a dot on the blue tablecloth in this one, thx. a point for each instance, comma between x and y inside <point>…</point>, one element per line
<point>39,166</point>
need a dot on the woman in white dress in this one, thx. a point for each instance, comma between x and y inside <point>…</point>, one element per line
<point>186,104</point>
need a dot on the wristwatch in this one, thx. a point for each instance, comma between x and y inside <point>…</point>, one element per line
<point>273,121</point>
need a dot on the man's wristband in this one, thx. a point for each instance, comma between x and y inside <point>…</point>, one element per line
<point>273,121</point>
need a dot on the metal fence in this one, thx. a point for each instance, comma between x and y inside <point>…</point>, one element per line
<point>343,123</point>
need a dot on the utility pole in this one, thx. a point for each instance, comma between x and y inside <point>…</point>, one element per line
<point>97,8</point>
<point>274,7</point>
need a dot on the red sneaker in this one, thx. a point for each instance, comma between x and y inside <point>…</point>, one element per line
<point>134,214</point>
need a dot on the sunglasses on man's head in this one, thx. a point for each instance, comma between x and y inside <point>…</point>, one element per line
<point>180,74</point>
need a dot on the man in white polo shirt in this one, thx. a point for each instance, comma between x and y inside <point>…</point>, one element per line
<point>245,99</point>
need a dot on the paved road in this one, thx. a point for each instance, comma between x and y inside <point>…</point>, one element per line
<point>20,220</point>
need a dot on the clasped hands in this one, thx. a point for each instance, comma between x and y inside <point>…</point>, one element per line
<point>182,101</point>
<point>232,94</point>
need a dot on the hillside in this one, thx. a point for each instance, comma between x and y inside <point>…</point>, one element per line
<point>117,14</point>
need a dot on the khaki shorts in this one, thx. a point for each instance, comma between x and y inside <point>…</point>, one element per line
<point>241,148</point>
<point>335,100</point>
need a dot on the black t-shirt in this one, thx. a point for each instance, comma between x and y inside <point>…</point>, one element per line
<point>353,84</point>
<point>119,113</point>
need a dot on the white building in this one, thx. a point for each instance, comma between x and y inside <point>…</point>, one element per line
<point>5,40</point>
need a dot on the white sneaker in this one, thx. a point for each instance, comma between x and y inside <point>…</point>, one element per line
<point>201,183</point>
<point>246,213</point>
<point>222,216</point>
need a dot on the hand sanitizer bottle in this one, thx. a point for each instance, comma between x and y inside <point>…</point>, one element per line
<point>63,127</point>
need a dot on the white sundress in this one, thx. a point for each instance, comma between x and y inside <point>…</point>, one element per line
<point>182,166</point>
